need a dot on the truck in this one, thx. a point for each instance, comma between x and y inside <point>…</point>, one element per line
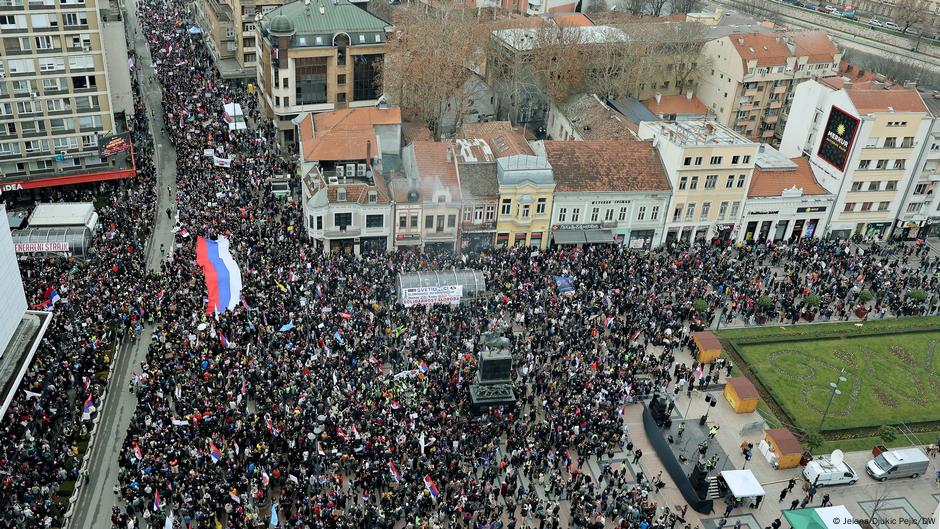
<point>901,463</point>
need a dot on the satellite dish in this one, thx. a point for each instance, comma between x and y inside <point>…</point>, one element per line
<point>837,457</point>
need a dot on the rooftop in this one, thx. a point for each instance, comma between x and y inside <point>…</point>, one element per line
<point>699,132</point>
<point>324,19</point>
<point>633,110</point>
<point>432,171</point>
<point>679,105</point>
<point>624,165</point>
<point>593,119</point>
<point>521,168</point>
<point>872,92</point>
<point>528,38</point>
<point>500,136</point>
<point>774,178</point>
<point>773,49</point>
<point>344,135</point>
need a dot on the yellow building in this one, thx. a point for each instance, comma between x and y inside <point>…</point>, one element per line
<point>526,187</point>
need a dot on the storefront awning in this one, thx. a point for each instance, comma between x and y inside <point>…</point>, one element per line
<point>568,237</point>
<point>594,236</point>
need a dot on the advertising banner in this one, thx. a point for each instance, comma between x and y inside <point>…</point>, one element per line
<point>838,137</point>
<point>432,295</point>
<point>111,145</point>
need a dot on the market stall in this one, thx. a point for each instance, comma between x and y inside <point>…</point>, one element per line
<point>835,517</point>
<point>781,448</point>
<point>741,394</point>
<point>707,346</point>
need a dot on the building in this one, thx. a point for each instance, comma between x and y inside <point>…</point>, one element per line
<point>747,79</point>
<point>11,285</point>
<point>710,168</point>
<point>610,191</point>
<point>863,139</point>
<point>216,19</point>
<point>526,187</point>
<point>479,190</point>
<point>677,107</point>
<point>427,198</point>
<point>886,10</point>
<point>586,117</point>
<point>345,158</point>
<point>57,78</point>
<point>919,215</point>
<point>784,200</point>
<point>317,57</point>
<point>229,30</point>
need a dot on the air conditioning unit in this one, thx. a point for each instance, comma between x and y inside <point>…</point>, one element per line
<point>33,95</point>
<point>340,170</point>
<point>332,180</point>
<point>86,49</point>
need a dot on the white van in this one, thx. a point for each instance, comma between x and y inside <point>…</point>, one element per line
<point>892,26</point>
<point>906,462</point>
<point>824,473</point>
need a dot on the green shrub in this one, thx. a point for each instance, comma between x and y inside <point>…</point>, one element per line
<point>700,306</point>
<point>865,296</point>
<point>812,441</point>
<point>918,295</point>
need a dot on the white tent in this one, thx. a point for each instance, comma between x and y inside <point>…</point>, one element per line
<point>235,117</point>
<point>742,483</point>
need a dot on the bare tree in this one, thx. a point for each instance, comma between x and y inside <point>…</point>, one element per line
<point>908,13</point>
<point>558,61</point>
<point>655,7</point>
<point>685,6</point>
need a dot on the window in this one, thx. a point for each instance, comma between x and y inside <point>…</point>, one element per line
<point>722,210</point>
<point>849,207</point>
<point>540,207</point>
<point>37,145</point>
<point>25,44</point>
<point>45,42</point>
<point>874,185</point>
<point>746,159</point>
<point>693,184</point>
<point>716,160</point>
<point>74,19</point>
<point>899,164</point>
<point>864,164</point>
<point>341,194</point>
<point>857,186</point>
<point>524,211</point>
<point>640,214</point>
<point>375,221</point>
<point>575,214</point>
<point>698,160</point>
<point>402,221</point>
<point>373,197</point>
<point>890,143</point>
<point>468,214</point>
<point>741,179</point>
<point>429,222</point>
<point>683,182</point>
<point>342,220</point>
<point>506,207</point>
<point>365,77</point>
<point>310,80</point>
<point>710,181</point>
<point>735,159</point>
<point>609,214</point>
<point>914,207</point>
<point>688,161</point>
<point>79,62</point>
<point>907,142</point>
<point>734,209</point>
<point>866,206</point>
<point>562,213</point>
<point>595,213</point>
<point>883,206</point>
<point>730,183</point>
<point>440,223</point>
<point>690,212</point>
<point>677,213</point>
<point>706,208</point>
<point>56,105</point>
<point>882,164</point>
<point>451,221</point>
<point>26,107</point>
<point>319,222</point>
<point>9,148</point>
<point>920,189</point>
<point>654,213</point>
<point>414,221</point>
<point>490,213</point>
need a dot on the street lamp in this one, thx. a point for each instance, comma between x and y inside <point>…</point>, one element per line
<point>835,391</point>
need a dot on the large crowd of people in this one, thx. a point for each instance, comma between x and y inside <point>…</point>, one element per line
<point>324,399</point>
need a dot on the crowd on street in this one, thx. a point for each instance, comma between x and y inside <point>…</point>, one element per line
<point>294,406</point>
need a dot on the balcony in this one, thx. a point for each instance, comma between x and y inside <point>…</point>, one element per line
<point>776,104</point>
<point>779,90</point>
<point>934,177</point>
<point>771,120</point>
<point>751,93</point>
<point>769,133</point>
<point>746,107</point>
<point>341,232</point>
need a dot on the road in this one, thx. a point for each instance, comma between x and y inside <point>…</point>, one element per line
<point>96,497</point>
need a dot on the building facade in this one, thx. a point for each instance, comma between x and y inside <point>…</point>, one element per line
<point>607,192</point>
<point>747,79</point>
<point>318,57</point>
<point>919,215</point>
<point>526,187</point>
<point>479,191</point>
<point>863,141</point>
<point>55,92</point>
<point>710,168</point>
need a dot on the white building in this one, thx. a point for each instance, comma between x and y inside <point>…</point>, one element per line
<point>784,201</point>
<point>11,285</point>
<point>863,138</point>
<point>919,216</point>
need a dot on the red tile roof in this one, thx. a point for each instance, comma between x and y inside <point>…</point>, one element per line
<point>772,183</point>
<point>344,134</point>
<point>770,49</point>
<point>431,163</point>
<point>606,166</point>
<point>676,104</point>
<point>500,136</point>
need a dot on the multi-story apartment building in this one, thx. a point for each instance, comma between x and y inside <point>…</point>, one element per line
<point>427,198</point>
<point>230,27</point>
<point>317,57</point>
<point>863,139</point>
<point>919,215</point>
<point>607,192</point>
<point>747,79</point>
<point>710,168</point>
<point>55,92</point>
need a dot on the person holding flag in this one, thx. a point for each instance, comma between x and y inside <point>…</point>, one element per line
<point>431,486</point>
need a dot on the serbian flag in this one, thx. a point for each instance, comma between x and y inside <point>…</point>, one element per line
<point>223,277</point>
<point>422,367</point>
<point>157,504</point>
<point>608,321</point>
<point>137,452</point>
<point>698,372</point>
<point>214,452</point>
<point>265,479</point>
<point>223,340</point>
<point>396,475</point>
<point>89,404</point>
<point>431,486</point>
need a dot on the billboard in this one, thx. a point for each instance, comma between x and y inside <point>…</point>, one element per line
<point>111,145</point>
<point>838,137</point>
<point>41,247</point>
<point>432,295</point>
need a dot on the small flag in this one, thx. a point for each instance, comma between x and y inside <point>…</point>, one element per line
<point>320,449</point>
<point>422,367</point>
<point>398,331</point>
<point>274,520</point>
<point>355,432</point>
<point>342,433</point>
<point>698,372</point>
<point>137,452</point>
<point>244,386</point>
<point>635,334</point>
<point>339,338</point>
<point>608,321</point>
<point>265,479</point>
<point>234,495</point>
<point>214,452</point>
<point>223,340</point>
<point>396,475</point>
<point>86,382</point>
<point>431,486</point>
<point>89,404</point>
<point>287,326</point>
<point>156,500</point>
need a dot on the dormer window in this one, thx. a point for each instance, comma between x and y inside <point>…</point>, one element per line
<point>373,197</point>
<point>442,198</point>
<point>341,194</point>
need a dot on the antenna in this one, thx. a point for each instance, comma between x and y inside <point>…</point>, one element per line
<point>837,457</point>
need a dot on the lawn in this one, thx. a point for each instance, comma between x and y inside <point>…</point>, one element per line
<point>892,372</point>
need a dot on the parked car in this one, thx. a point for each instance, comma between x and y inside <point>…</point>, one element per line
<point>824,472</point>
<point>902,463</point>
<point>850,16</point>
<point>892,26</point>
<point>832,9</point>
<point>822,9</point>
<point>809,5</point>
<point>874,22</point>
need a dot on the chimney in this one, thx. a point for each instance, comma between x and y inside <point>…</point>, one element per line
<point>709,129</point>
<point>659,97</point>
<point>741,41</point>
<point>688,95</point>
<point>450,154</point>
<point>369,152</point>
<point>322,10</point>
